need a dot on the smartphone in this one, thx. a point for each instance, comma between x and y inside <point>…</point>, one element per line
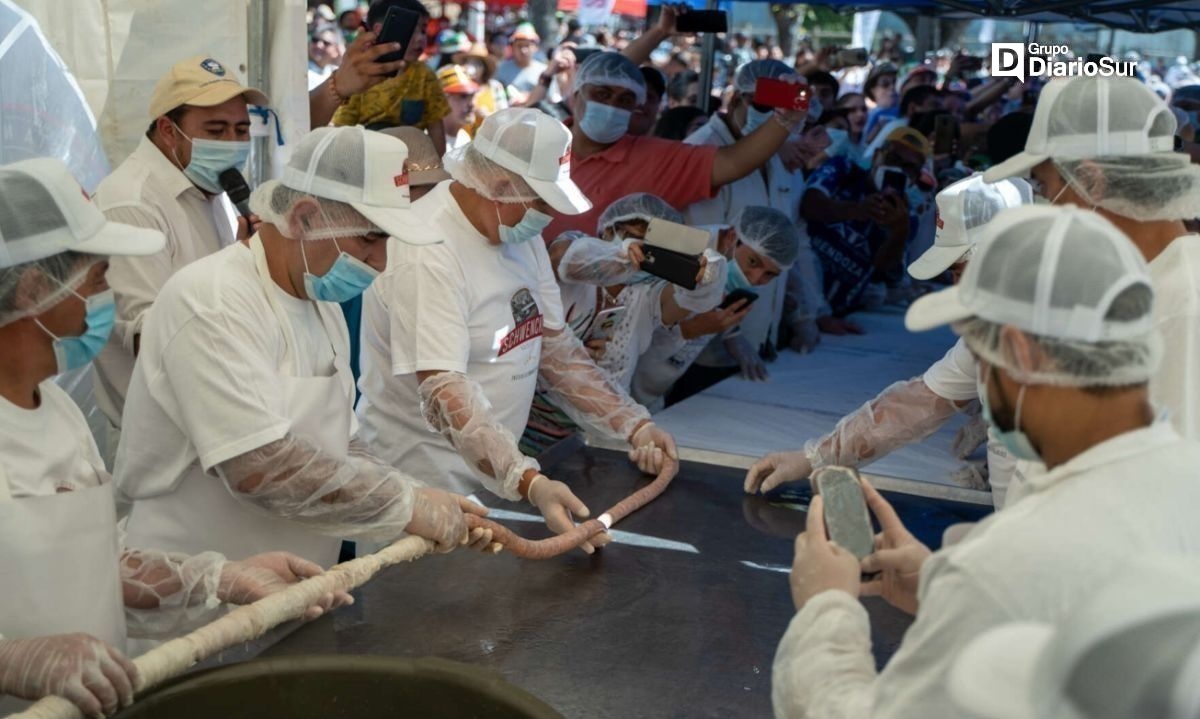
<point>676,237</point>
<point>703,21</point>
<point>674,267</point>
<point>777,93</point>
<point>895,180</point>
<point>943,134</point>
<point>846,518</point>
<point>737,296</point>
<point>852,57</point>
<point>398,26</point>
<point>605,323</point>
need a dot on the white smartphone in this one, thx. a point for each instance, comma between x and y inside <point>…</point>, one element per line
<point>846,518</point>
<point>605,323</point>
<point>676,237</point>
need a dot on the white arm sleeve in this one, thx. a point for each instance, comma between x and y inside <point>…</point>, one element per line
<point>593,261</point>
<point>352,497</point>
<point>584,391</point>
<point>455,407</point>
<point>824,666</point>
<point>903,413</point>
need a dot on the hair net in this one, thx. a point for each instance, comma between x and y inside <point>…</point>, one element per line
<point>768,232</point>
<point>749,73</point>
<point>611,68</point>
<point>468,166</point>
<point>638,206</point>
<point>1158,186</point>
<point>31,288</point>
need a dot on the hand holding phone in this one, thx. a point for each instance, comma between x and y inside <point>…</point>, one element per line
<point>895,181</point>
<point>780,94</point>
<point>702,21</point>
<point>852,57</point>
<point>399,25</point>
<point>737,296</point>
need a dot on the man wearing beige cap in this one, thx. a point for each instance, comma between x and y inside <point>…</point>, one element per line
<point>199,127</point>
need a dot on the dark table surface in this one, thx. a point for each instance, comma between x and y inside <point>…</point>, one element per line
<point>686,629</point>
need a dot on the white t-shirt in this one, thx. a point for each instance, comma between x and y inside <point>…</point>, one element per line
<point>1175,275</point>
<point>210,378</point>
<point>49,449</point>
<point>463,305</point>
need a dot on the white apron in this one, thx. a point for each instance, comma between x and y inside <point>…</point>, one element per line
<point>60,564</point>
<point>202,514</point>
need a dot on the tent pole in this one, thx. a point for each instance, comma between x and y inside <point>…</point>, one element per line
<point>706,67</point>
<point>258,73</point>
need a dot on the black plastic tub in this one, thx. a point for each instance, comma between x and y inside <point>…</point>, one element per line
<point>340,687</point>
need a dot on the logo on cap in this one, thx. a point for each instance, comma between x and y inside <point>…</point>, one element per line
<point>565,158</point>
<point>940,224</point>
<point>213,66</point>
<point>400,180</point>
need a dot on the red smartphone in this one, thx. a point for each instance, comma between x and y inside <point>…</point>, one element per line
<point>777,93</point>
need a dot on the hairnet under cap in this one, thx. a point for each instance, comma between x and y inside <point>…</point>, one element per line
<point>638,206</point>
<point>749,73</point>
<point>768,232</point>
<point>611,68</point>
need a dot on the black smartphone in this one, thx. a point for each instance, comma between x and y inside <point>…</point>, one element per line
<point>852,57</point>
<point>398,26</point>
<point>737,296</point>
<point>943,134</point>
<point>703,21</point>
<point>674,267</point>
<point>894,180</point>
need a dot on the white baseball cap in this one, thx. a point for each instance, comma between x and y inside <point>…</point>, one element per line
<point>363,168</point>
<point>44,212</point>
<point>537,147</point>
<point>962,207</point>
<point>1048,270</point>
<point>1082,117</point>
<point>1133,650</point>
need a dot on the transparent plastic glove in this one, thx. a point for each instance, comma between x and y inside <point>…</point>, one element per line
<point>903,413</point>
<point>455,407</point>
<point>79,667</point>
<point>169,593</point>
<point>585,392</point>
<point>805,335</point>
<point>248,580</point>
<point>821,565</point>
<point>709,288</point>
<point>751,364</point>
<point>775,469</point>
<point>440,517</point>
<point>972,475</point>
<point>652,445</point>
<point>971,436</point>
<point>353,496</point>
<point>897,559</point>
<point>592,261</point>
<point>559,506</point>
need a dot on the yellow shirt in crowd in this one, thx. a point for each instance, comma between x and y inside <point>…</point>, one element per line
<point>413,97</point>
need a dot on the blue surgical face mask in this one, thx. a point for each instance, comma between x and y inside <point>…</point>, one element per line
<point>75,352</point>
<point>1015,441</point>
<point>839,140</point>
<point>604,123</point>
<point>212,157</point>
<point>531,225</point>
<point>755,119</point>
<point>346,279</point>
<point>735,279</point>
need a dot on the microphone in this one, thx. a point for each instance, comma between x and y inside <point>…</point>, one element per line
<point>239,192</point>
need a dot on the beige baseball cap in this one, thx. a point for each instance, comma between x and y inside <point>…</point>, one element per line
<point>200,81</point>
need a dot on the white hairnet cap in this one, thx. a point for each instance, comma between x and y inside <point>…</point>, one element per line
<point>961,208</point>
<point>1156,186</point>
<point>45,219</point>
<point>1092,117</point>
<point>1133,650</point>
<point>749,73</point>
<point>1067,277</point>
<point>768,232</point>
<point>359,175</point>
<point>611,68</point>
<point>638,206</point>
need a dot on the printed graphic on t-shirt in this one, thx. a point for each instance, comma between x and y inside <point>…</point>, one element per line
<point>527,317</point>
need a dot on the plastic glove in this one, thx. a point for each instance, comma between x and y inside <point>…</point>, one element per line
<point>651,447</point>
<point>558,506</point>
<point>251,579</point>
<point>820,565</point>
<point>970,437</point>
<point>972,475</point>
<point>805,336</point>
<point>898,557</point>
<point>775,469</point>
<point>751,365</point>
<point>438,517</point>
<point>92,675</point>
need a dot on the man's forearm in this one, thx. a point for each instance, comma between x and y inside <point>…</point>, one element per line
<point>748,154</point>
<point>323,101</point>
<point>640,48</point>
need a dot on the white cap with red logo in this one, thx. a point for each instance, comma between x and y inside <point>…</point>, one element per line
<point>962,207</point>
